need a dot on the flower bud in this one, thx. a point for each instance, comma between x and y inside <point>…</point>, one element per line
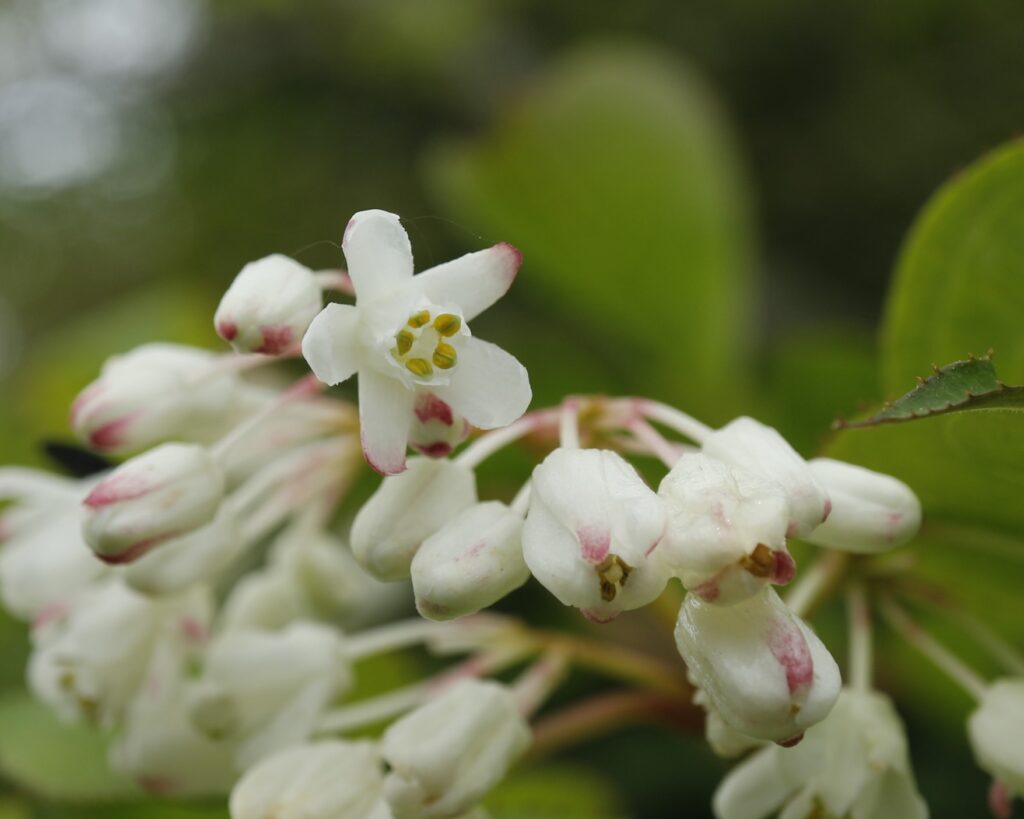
<point>995,729</point>
<point>435,430</point>
<point>162,494</point>
<point>446,755</point>
<point>724,740</point>
<point>325,780</point>
<point>871,512</point>
<point>758,448</point>
<point>471,563</point>
<point>763,669</point>
<point>592,526</point>
<point>269,306</point>
<point>726,532</point>
<point>406,510</point>
<point>155,393</point>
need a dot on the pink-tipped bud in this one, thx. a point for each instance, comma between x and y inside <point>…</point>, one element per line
<point>152,498</point>
<point>269,306</point>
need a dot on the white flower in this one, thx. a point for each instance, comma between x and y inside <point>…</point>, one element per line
<point>471,563</point>
<point>750,444</point>
<point>436,430</point>
<point>405,511</point>
<point>724,740</point>
<point>266,690</point>
<point>407,335</point>
<point>325,780</point>
<point>853,764</point>
<point>590,531</point>
<point>995,729</point>
<point>268,306</point>
<point>446,755</point>
<point>154,497</point>
<point>44,562</point>
<point>763,669</point>
<point>726,532</point>
<point>155,393</point>
<point>871,512</point>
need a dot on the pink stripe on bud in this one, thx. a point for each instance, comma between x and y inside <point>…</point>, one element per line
<point>789,647</point>
<point>276,340</point>
<point>136,550</point>
<point>594,543</point>
<point>115,489</point>
<point>112,434</point>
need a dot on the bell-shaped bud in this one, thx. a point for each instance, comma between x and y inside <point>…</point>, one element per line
<point>435,429</point>
<point>324,780</point>
<point>995,729</point>
<point>162,494</point>
<point>763,669</point>
<point>758,448</point>
<point>446,755</point>
<point>266,690</point>
<point>471,563</point>
<point>406,510</point>
<point>871,512</point>
<point>855,763</point>
<point>726,532</point>
<point>724,740</point>
<point>269,306</point>
<point>592,526</point>
<point>155,393</point>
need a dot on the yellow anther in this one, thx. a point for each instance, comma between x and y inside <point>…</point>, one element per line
<point>404,339</point>
<point>445,356</point>
<point>447,324</point>
<point>419,319</point>
<point>612,574</point>
<point>759,562</point>
<point>419,366</point>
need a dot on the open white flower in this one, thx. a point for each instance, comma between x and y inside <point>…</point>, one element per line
<point>995,729</point>
<point>592,526</point>
<point>854,764</point>
<point>409,334</point>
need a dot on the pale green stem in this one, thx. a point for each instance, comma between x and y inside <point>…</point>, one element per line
<point>536,684</point>
<point>521,502</point>
<point>569,424</point>
<point>814,583</point>
<point>673,418</point>
<point>391,637</point>
<point>861,648</point>
<point>654,442</point>
<point>491,442</point>
<point>335,280</point>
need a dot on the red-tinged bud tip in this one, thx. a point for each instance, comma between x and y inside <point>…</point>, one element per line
<point>436,450</point>
<point>227,330</point>
<point>431,408</point>
<point>135,551</point>
<point>111,435</point>
<point>789,743</point>
<point>275,340</point>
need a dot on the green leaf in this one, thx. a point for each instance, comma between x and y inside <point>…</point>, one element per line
<point>963,386</point>
<point>616,175</point>
<point>554,792</point>
<point>53,759</point>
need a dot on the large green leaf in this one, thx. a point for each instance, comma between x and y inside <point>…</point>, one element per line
<point>617,177</point>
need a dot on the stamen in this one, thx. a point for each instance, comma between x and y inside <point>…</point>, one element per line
<point>444,356</point>
<point>419,366</point>
<point>419,319</point>
<point>404,339</point>
<point>447,324</point>
<point>759,562</point>
<point>612,573</point>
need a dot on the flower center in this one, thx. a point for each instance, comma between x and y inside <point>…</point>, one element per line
<point>424,343</point>
<point>612,574</point>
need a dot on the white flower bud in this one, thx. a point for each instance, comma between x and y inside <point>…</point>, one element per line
<point>750,444</point>
<point>436,429</point>
<point>406,510</point>
<point>995,729</point>
<point>155,393</point>
<point>269,306</point>
<point>266,690</point>
<point>446,755</point>
<point>472,562</point>
<point>324,780</point>
<point>726,532</point>
<point>724,740</point>
<point>763,669</point>
<point>592,526</point>
<point>154,497</point>
<point>871,512</point>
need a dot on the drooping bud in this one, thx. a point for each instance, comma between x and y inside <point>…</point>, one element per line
<point>406,510</point>
<point>435,430</point>
<point>871,512</point>
<point>446,755</point>
<point>471,563</point>
<point>269,306</point>
<point>724,740</point>
<point>763,669</point>
<point>162,494</point>
<point>324,780</point>
<point>155,393</point>
<point>592,526</point>
<point>726,532</point>
<point>995,729</point>
<point>758,448</point>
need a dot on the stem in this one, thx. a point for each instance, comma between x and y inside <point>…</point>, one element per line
<point>521,502</point>
<point>391,637</point>
<point>491,442</point>
<point>861,649</point>
<point>935,651</point>
<point>537,683</point>
<point>655,442</point>
<point>305,386</point>
<point>569,424</point>
<point>815,583</point>
<point>335,280</point>
<point>674,419</point>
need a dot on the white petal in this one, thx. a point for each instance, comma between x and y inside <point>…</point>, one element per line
<point>330,345</point>
<point>378,253</point>
<point>474,281</point>
<point>385,413</point>
<point>488,387</point>
<point>754,789</point>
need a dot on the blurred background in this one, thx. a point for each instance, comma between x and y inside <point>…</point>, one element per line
<point>710,197</point>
